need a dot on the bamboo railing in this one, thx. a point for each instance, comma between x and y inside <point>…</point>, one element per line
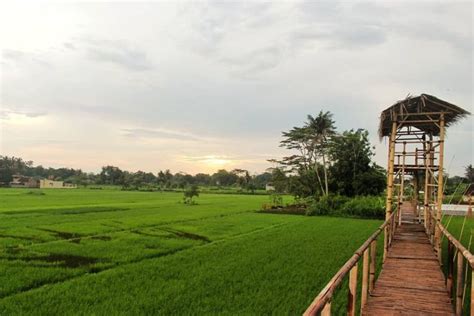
<point>463,259</point>
<point>322,303</point>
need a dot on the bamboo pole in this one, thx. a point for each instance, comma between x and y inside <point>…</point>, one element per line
<point>327,309</point>
<point>365,279</point>
<point>373,257</point>
<point>352,294</point>
<point>388,206</point>
<point>459,287</point>
<point>402,185</point>
<point>449,279</point>
<point>440,186</point>
<point>472,292</point>
<point>427,182</point>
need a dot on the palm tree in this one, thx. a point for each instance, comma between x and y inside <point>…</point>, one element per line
<point>321,128</point>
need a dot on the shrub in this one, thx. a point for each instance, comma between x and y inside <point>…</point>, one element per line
<point>327,205</point>
<point>365,206</point>
<point>189,194</point>
<point>337,205</point>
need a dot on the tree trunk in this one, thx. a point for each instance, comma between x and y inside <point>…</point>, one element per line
<point>319,178</point>
<point>325,174</point>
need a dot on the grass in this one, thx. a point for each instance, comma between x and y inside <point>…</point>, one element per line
<point>119,252</point>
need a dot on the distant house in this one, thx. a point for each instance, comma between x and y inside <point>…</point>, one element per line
<point>20,181</point>
<point>53,184</point>
<point>269,187</point>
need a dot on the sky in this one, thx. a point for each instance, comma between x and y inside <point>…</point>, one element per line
<point>204,85</point>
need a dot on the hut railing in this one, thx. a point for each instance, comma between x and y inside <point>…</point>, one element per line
<point>459,258</point>
<point>322,303</point>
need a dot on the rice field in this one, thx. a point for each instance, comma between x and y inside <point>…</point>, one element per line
<point>116,252</point>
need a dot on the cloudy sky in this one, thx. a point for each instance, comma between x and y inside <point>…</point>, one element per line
<point>197,86</point>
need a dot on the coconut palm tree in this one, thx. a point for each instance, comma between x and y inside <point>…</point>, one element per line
<point>320,129</point>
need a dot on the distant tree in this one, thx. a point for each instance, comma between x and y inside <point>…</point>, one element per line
<point>224,178</point>
<point>279,180</point>
<point>261,180</point>
<point>202,179</point>
<point>470,174</point>
<point>10,166</point>
<point>165,178</point>
<point>190,192</point>
<point>352,170</point>
<point>244,180</point>
<point>111,175</point>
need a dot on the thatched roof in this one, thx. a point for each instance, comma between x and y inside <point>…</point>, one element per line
<point>424,103</point>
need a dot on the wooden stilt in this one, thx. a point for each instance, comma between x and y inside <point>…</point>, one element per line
<point>449,279</point>
<point>365,279</point>
<point>352,294</point>
<point>373,257</point>
<point>388,206</point>
<point>426,148</point>
<point>472,292</point>
<point>440,187</point>
<point>459,287</point>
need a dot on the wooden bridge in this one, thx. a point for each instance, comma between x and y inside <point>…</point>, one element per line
<point>411,281</point>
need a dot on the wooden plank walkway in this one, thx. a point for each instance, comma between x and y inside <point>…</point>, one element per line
<point>411,281</point>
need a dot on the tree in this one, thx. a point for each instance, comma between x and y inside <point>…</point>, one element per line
<point>321,129</point>
<point>190,192</point>
<point>279,180</point>
<point>111,175</point>
<point>470,174</point>
<point>224,178</point>
<point>311,145</point>
<point>352,170</point>
<point>164,179</point>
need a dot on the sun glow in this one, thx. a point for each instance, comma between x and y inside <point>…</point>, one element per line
<point>215,161</point>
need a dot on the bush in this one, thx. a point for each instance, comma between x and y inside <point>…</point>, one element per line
<point>365,206</point>
<point>327,205</point>
<point>337,205</point>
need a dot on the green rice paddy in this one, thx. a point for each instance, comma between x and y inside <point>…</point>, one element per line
<point>116,252</point>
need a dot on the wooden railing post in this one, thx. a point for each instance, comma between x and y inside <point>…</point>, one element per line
<point>365,279</point>
<point>352,294</point>
<point>449,279</point>
<point>373,257</point>
<point>459,286</point>
<point>472,292</point>
<point>327,309</point>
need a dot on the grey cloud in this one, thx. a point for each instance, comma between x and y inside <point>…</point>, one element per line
<point>255,61</point>
<point>352,35</point>
<point>119,53</point>
<point>69,45</point>
<point>160,134</point>
<point>12,54</point>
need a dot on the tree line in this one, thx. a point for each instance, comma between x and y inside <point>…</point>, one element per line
<point>112,175</point>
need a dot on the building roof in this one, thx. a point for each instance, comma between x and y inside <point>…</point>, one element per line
<point>423,103</point>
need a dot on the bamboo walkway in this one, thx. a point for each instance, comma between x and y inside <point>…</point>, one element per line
<point>411,281</point>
